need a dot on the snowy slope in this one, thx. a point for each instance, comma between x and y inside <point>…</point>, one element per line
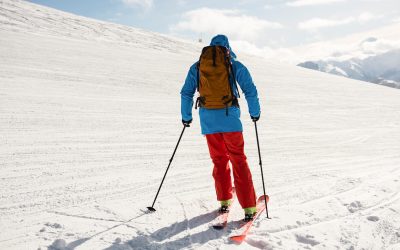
<point>88,124</point>
<point>34,19</point>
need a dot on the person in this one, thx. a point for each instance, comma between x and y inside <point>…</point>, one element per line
<point>223,131</point>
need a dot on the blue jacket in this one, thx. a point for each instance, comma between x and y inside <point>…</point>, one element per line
<point>215,120</point>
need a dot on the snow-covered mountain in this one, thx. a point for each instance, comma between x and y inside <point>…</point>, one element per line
<point>90,115</point>
<point>383,69</point>
<point>26,17</point>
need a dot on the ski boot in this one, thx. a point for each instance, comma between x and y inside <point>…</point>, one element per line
<point>224,206</point>
<point>249,214</point>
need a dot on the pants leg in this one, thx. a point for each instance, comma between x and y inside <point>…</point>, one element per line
<point>241,172</point>
<point>221,171</point>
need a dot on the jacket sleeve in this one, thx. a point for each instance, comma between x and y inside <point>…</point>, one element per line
<point>187,93</point>
<point>248,87</point>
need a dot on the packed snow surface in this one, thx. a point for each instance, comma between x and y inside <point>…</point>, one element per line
<point>90,115</point>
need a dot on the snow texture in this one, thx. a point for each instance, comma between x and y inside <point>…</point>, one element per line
<point>90,115</point>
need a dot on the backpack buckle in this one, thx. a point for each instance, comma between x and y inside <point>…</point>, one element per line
<point>200,102</point>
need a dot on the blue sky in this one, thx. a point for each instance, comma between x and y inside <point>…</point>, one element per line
<point>257,24</point>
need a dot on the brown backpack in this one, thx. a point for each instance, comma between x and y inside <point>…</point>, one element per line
<point>215,78</point>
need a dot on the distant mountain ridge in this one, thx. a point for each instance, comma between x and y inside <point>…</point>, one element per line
<point>383,69</point>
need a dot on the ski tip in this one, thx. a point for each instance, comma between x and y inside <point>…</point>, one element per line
<point>263,197</point>
<point>238,238</point>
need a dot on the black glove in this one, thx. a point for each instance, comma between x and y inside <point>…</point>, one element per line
<point>255,118</point>
<point>186,123</point>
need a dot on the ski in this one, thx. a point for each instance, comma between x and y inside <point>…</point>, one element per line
<point>241,232</point>
<point>222,218</point>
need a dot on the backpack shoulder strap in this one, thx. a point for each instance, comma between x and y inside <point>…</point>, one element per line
<point>234,79</point>
<point>198,75</point>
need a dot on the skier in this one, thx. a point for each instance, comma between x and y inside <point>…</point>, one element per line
<point>221,124</point>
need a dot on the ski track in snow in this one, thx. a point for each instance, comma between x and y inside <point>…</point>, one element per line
<point>89,117</point>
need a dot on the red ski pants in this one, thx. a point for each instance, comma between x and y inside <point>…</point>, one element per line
<point>225,147</point>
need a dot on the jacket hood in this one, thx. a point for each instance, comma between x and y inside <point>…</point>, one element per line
<point>222,40</point>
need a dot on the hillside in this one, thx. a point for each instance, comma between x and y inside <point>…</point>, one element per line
<point>90,115</point>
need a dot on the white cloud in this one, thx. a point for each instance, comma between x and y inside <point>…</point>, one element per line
<point>300,3</point>
<point>230,22</point>
<point>367,16</point>
<point>277,54</point>
<point>359,45</point>
<point>317,23</point>
<point>146,4</point>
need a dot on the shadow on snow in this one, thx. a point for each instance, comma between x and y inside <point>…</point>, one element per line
<point>156,240</point>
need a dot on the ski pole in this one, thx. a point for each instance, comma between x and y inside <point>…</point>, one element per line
<point>152,209</point>
<point>262,174</point>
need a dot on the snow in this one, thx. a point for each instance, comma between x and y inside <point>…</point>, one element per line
<point>335,70</point>
<point>88,126</point>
